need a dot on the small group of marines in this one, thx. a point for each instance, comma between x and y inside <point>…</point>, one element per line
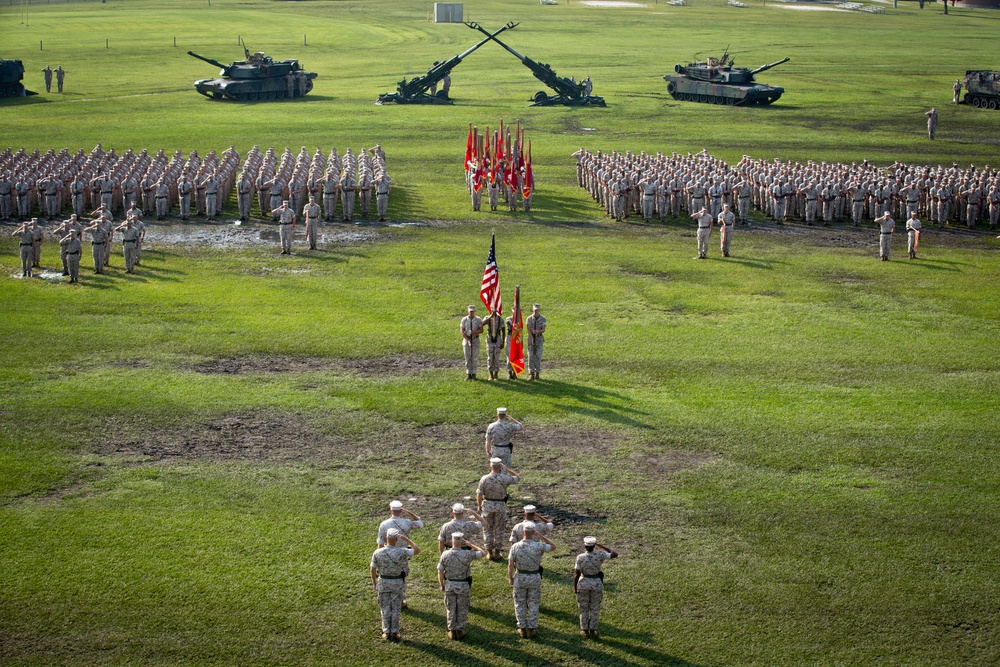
<point>529,541</point>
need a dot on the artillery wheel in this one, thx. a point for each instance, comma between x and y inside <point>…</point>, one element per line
<point>540,97</point>
<point>309,85</point>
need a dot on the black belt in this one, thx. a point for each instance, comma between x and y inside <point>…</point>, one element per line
<point>383,576</point>
<point>463,580</point>
<point>385,193</point>
<point>24,244</point>
<point>808,199</point>
<point>497,500</point>
<point>591,576</point>
<point>744,196</point>
<point>107,192</point>
<point>128,241</point>
<point>285,224</point>
<point>509,444</point>
<point>97,242</point>
<point>73,253</point>
<point>529,571</point>
<point>885,233</point>
<point>161,196</point>
<point>705,227</point>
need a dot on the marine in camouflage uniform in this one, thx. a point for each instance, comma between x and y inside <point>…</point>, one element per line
<point>588,584</point>
<point>491,501</point>
<point>496,336</point>
<point>286,220</point>
<point>71,246</point>
<point>26,238</point>
<point>499,435</point>
<point>455,578</point>
<point>543,525</point>
<point>524,572</point>
<point>387,569</point>
<point>458,524</point>
<point>535,327</point>
<point>311,213</point>
<point>886,227</point>
<point>470,328</point>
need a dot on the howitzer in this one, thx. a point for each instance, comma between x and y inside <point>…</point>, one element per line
<point>568,92</point>
<point>764,68</point>
<point>415,90</point>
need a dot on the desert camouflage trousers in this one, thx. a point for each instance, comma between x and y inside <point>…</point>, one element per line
<point>588,597</point>
<point>527,599</point>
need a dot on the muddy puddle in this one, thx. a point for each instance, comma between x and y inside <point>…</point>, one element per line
<point>237,236</point>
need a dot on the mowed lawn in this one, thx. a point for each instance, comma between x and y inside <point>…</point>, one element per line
<point>794,450</point>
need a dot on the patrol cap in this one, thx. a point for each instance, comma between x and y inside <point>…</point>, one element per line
<point>457,508</point>
<point>395,505</point>
<point>501,411</point>
<point>590,540</point>
<point>529,509</point>
<point>392,532</point>
<point>495,460</point>
<point>471,307</point>
<point>457,536</point>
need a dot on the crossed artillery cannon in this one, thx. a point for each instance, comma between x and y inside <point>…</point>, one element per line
<point>416,90</point>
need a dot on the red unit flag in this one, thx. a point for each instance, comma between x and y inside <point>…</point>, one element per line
<point>516,346</point>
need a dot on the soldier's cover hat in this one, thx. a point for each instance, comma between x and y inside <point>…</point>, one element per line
<point>392,532</point>
<point>495,460</point>
<point>457,535</point>
<point>395,505</point>
<point>501,411</point>
<point>590,540</point>
<point>529,509</point>
<point>471,307</point>
<point>529,525</point>
<point>458,507</point>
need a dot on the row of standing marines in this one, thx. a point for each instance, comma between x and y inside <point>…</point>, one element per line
<point>529,540</point>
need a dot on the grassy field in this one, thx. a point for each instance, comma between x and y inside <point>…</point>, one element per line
<point>794,450</point>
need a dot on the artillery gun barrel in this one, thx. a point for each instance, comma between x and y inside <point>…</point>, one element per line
<point>478,27</point>
<point>763,68</point>
<point>208,60</point>
<point>448,65</point>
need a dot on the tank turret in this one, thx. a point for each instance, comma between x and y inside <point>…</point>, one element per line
<point>717,81</point>
<point>259,77</point>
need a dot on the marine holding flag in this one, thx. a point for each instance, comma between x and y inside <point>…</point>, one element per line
<point>515,329</point>
<point>496,332</point>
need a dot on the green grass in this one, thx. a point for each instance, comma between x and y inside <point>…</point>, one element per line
<point>794,451</point>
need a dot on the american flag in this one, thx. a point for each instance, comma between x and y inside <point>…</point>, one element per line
<point>490,291</point>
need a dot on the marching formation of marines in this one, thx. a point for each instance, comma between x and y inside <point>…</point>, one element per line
<point>319,182</point>
<point>48,183</point>
<point>528,541</point>
<point>663,186</point>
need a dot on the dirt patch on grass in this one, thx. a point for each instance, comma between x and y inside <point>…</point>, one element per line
<point>374,366</point>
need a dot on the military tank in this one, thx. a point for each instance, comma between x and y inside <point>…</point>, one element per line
<point>716,81</point>
<point>11,74</point>
<point>257,78</point>
<point>984,89</point>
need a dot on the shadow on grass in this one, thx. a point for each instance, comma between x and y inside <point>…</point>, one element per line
<point>600,404</point>
<point>507,645</point>
<point>936,264</point>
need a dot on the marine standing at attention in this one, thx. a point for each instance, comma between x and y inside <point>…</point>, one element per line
<point>932,121</point>
<point>588,584</point>
<point>388,573</point>
<point>886,227</point>
<point>499,435</point>
<point>535,326</point>
<point>491,501</point>
<point>470,327</point>
<point>496,336</point>
<point>455,578</point>
<point>704,231</point>
<point>524,572</point>
<point>311,213</point>
<point>286,229</point>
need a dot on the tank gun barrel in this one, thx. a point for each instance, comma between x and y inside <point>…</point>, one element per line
<point>763,68</point>
<point>208,60</point>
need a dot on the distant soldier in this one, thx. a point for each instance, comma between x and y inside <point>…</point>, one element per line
<point>78,194</point>
<point>130,240</point>
<point>286,226</point>
<point>244,195</point>
<point>912,235</point>
<point>491,501</point>
<point>588,86</point>
<point>211,184</point>
<point>973,197</point>
<point>98,239</point>
<point>496,336</point>
<point>348,186</point>
<point>932,122</point>
<point>459,523</point>
<point>455,578</point>
<point>387,570</point>
<point>535,326</point>
<point>311,213</point>
<point>37,236</point>
<point>290,84</point>
<point>588,584</point>
<point>958,91</point>
<point>886,227</point>
<point>23,189</point>
<point>26,238</point>
<point>71,245</point>
<point>446,86</point>
<point>382,197</point>
<point>524,572</point>
<point>704,231</point>
<point>60,76</point>
<point>48,78</point>
<point>727,222</point>
<point>743,190</point>
<point>994,199</point>
<point>162,198</point>
<point>6,187</point>
<point>470,328</point>
<point>402,520</point>
<point>330,185</point>
<point>499,436</point>
<point>70,226</point>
